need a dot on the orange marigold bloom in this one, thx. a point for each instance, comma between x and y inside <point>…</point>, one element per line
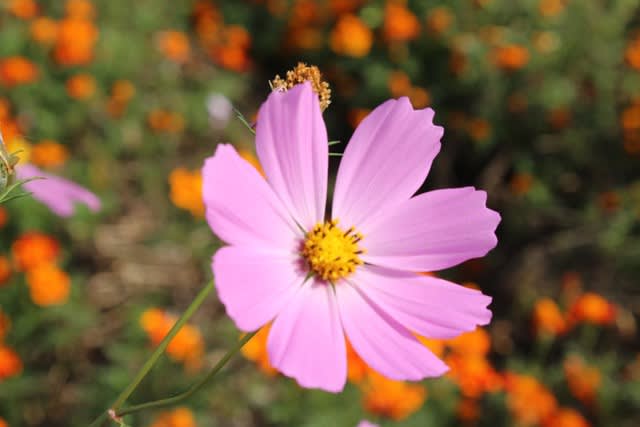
<point>392,399</point>
<point>3,423</point>
<point>357,115</point>
<point>351,37</point>
<point>511,57</point>
<point>566,417</point>
<point>547,318</point>
<point>44,30</point>
<point>5,270</point>
<point>165,121</point>
<point>583,380</point>
<point>479,129</point>
<point>521,183</point>
<point>23,9</point>
<point>179,417</point>
<point>399,83</point>
<point>630,118</point>
<point>439,19</point>
<point>34,248</point>
<point>5,325</point>
<point>592,308</point>
<point>473,374</point>
<point>529,401</point>
<point>75,41</point>
<point>10,363</point>
<point>400,24</point>
<point>340,7</point>
<point>357,369</point>
<point>48,285</point>
<point>49,154</point>
<point>551,8</point>
<point>186,190</point>
<point>632,53</point>
<point>81,86</point>
<point>121,93</point>
<point>187,346</point>
<point>4,217</point>
<point>174,45</point>
<point>474,343</point>
<point>468,410</point>
<point>232,58</point>
<point>82,9</point>
<point>256,351</point>
<point>16,70</point>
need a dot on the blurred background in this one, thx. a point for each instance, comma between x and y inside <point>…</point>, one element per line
<point>540,101</point>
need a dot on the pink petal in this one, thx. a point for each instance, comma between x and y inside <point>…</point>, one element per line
<point>385,162</point>
<point>432,307</point>
<point>365,423</point>
<point>241,207</point>
<point>382,342</point>
<point>306,340</point>
<point>292,144</point>
<point>254,285</point>
<point>58,194</point>
<point>432,231</point>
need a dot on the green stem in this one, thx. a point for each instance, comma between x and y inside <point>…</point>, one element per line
<point>195,387</point>
<point>155,356</point>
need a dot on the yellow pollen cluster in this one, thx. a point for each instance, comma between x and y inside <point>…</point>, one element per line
<point>305,73</point>
<point>332,254</point>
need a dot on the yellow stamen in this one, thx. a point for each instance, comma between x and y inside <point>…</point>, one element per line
<point>332,253</point>
<point>305,73</point>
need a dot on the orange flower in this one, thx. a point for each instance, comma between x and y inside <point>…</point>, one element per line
<point>351,37</point>
<point>121,93</point>
<point>10,363</point>
<point>550,8</point>
<point>165,121</point>
<point>231,57</point>
<point>357,369</point>
<point>399,83</point>
<point>529,401</point>
<point>439,19</point>
<point>174,45</point>
<point>583,380</point>
<point>187,346</point>
<point>473,374</point>
<point>82,9</point>
<point>437,347</point>
<point>5,325</point>
<point>474,343</point>
<point>5,270</point>
<point>521,183</point>
<point>479,129</point>
<point>23,9</point>
<point>632,53</point>
<point>630,118</point>
<point>392,399</point>
<point>75,41</point>
<point>547,318</point>
<point>34,248</point>
<point>44,30</point>
<point>186,190</point>
<point>4,216</point>
<point>357,115</point>
<point>16,70</point>
<point>3,423</point>
<point>49,154</point>
<point>340,7</point>
<point>592,308</point>
<point>48,285</point>
<point>81,86</point>
<point>566,417</point>
<point>179,417</point>
<point>468,410</point>
<point>511,57</point>
<point>256,351</point>
<point>400,24</point>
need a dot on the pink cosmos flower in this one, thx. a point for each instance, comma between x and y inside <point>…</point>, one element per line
<point>365,423</point>
<point>58,194</point>
<point>355,275</point>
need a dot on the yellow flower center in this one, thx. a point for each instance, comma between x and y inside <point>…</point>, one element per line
<point>332,253</point>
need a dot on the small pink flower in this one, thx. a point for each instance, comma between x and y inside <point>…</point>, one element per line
<point>354,275</point>
<point>365,423</point>
<point>58,194</point>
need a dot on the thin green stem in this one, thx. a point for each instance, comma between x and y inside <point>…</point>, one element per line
<point>195,387</point>
<point>155,356</point>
